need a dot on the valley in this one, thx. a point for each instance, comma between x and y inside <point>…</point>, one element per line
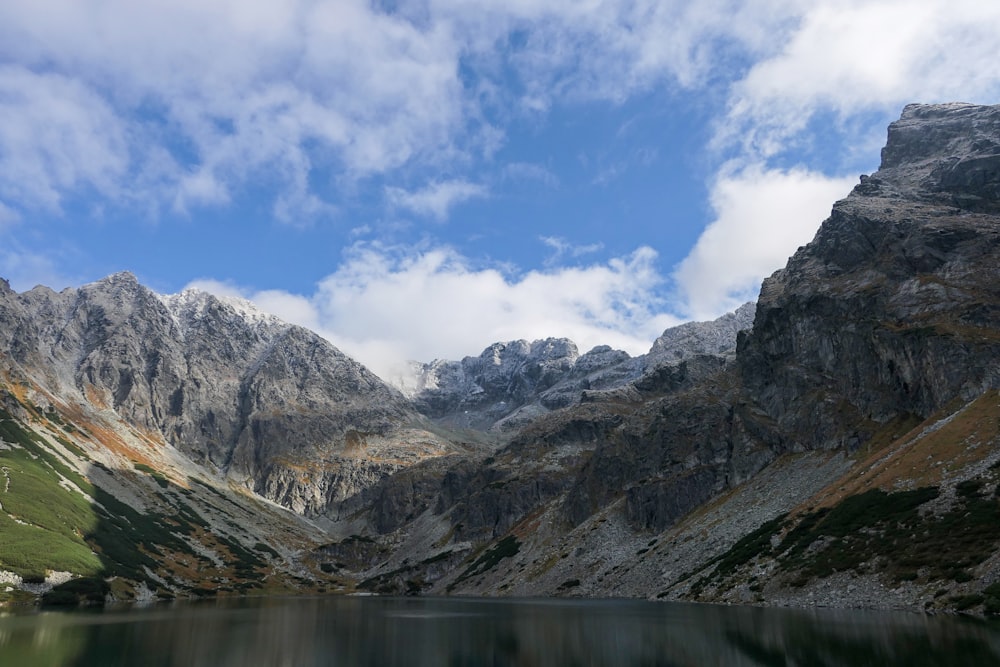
<point>836,443</point>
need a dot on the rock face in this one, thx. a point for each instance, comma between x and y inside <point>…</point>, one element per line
<point>894,307</point>
<point>510,384</point>
<point>271,405</point>
<point>717,337</point>
<point>478,391</point>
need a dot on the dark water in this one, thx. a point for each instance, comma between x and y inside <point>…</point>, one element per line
<point>445,632</point>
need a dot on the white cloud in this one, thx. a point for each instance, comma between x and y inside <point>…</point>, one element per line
<point>234,91</point>
<point>562,248</point>
<point>609,50</point>
<point>221,288</point>
<point>384,306</point>
<point>437,199</point>
<point>761,217</point>
<point>187,103</point>
<point>55,136</point>
<point>854,56</point>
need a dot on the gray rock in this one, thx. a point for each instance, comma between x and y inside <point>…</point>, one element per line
<point>893,308</point>
<point>699,338</point>
<point>271,405</point>
<point>511,384</point>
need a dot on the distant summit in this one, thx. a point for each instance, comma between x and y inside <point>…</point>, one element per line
<point>511,383</point>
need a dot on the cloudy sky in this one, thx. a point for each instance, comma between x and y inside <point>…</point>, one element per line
<point>420,179</point>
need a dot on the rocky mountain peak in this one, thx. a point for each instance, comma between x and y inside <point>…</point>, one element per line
<point>940,132</point>
<point>513,382</point>
<point>693,338</point>
<point>192,306</point>
<point>123,278</point>
<point>892,308</point>
<point>238,391</point>
<point>944,153</point>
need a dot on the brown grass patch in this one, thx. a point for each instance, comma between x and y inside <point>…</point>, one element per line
<point>924,455</point>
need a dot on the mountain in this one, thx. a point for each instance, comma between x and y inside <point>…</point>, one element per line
<point>165,421</point>
<point>186,403</point>
<point>269,405</point>
<point>836,443</point>
<point>510,384</point>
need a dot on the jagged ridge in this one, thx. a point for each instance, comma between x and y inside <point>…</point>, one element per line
<point>271,405</point>
<point>510,384</point>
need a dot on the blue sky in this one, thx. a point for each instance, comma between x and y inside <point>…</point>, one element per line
<point>416,180</point>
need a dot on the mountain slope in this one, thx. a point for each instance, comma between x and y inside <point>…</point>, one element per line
<point>143,438</point>
<point>98,509</point>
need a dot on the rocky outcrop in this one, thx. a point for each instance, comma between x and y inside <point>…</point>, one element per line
<point>717,337</point>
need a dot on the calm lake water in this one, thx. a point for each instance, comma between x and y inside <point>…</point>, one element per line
<point>298,632</point>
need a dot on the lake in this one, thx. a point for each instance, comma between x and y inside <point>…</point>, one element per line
<point>444,632</point>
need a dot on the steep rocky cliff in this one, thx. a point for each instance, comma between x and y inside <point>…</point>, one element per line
<point>893,308</point>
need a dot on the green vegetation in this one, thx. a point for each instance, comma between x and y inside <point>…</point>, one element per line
<point>859,528</point>
<point>263,548</point>
<point>437,557</point>
<point>46,524</point>
<point>965,602</point>
<point>505,548</point>
<point>970,488</point>
<point>211,489</point>
<point>880,533</point>
<point>86,590</point>
<point>757,543</point>
<point>388,583</point>
<point>43,523</point>
<point>79,453</point>
<point>991,602</point>
<point>160,478</point>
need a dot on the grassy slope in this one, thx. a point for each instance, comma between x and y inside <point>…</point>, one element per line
<point>176,537</point>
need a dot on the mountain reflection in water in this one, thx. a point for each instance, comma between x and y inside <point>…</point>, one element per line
<point>444,632</point>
